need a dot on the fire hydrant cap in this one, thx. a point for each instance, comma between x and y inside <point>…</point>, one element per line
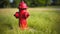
<point>22,5</point>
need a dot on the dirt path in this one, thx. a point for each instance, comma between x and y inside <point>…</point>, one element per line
<point>29,9</point>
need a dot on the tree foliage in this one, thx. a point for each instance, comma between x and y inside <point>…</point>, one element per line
<point>30,3</point>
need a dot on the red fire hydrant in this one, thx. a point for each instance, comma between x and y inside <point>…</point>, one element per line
<point>22,15</point>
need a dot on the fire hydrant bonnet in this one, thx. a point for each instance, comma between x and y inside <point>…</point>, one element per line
<point>22,5</point>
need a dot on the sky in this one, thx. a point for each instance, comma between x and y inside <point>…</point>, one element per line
<point>11,1</point>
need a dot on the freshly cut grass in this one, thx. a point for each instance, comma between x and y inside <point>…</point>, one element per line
<point>41,21</point>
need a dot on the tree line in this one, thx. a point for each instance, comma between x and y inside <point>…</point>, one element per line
<point>30,3</point>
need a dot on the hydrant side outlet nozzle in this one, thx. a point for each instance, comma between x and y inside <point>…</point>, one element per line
<point>16,14</point>
<point>22,15</point>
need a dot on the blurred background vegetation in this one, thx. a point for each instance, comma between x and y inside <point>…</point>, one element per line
<point>30,3</point>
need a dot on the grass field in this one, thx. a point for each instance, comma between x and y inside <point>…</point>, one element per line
<point>41,21</point>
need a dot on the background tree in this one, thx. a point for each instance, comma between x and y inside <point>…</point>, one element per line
<point>4,3</point>
<point>30,3</point>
